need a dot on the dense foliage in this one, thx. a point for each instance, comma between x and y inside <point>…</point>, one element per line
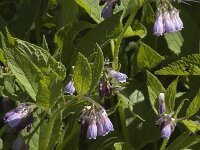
<point>99,74</point>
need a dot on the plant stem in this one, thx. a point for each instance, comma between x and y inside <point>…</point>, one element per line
<point>164,143</point>
<point>119,39</point>
<point>123,122</point>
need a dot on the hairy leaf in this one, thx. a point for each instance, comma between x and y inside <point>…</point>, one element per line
<point>82,75</point>
<point>97,68</point>
<point>147,58</point>
<point>192,126</point>
<point>186,66</point>
<point>170,96</point>
<point>154,89</point>
<point>194,106</point>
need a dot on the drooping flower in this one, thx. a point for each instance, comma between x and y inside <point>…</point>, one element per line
<point>20,117</point>
<point>104,125</point>
<point>158,28</point>
<point>169,25</point>
<point>108,9</point>
<point>176,20</point>
<point>69,88</point>
<point>92,129</point>
<point>166,131</point>
<point>162,107</point>
<point>19,144</point>
<point>121,77</point>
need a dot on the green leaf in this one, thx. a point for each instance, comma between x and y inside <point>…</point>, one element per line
<point>186,66</point>
<point>2,58</point>
<point>24,70</point>
<point>122,146</point>
<point>194,106</point>
<point>136,97</point>
<point>103,32</point>
<point>136,29</point>
<point>82,75</point>
<point>192,126</point>
<point>92,8</point>
<point>66,13</point>
<point>170,96</point>
<point>25,13</point>
<point>154,89</point>
<point>147,58</point>
<point>64,38</point>
<point>49,91</point>
<point>97,68</point>
<point>184,141</point>
<point>174,41</point>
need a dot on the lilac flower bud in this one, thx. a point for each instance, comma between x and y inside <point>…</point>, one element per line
<point>107,10</point>
<point>20,117</point>
<point>92,129</point>
<point>101,89</point>
<point>19,144</point>
<point>158,25</point>
<point>166,131</point>
<point>121,77</point>
<point>162,108</point>
<point>104,125</point>
<point>69,88</point>
<point>168,24</point>
<point>108,89</point>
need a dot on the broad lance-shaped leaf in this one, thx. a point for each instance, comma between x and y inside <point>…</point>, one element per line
<point>174,41</point>
<point>186,66</point>
<point>64,38</point>
<point>170,96</point>
<point>102,33</point>
<point>194,106</point>
<point>82,75</point>
<point>24,70</point>
<point>49,91</point>
<point>184,141</point>
<point>154,89</point>
<point>147,58</point>
<point>192,126</point>
<point>97,68</point>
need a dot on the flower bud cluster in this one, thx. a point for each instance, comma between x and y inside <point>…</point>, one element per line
<point>167,20</point>
<point>97,122</point>
<point>166,122</point>
<point>111,81</point>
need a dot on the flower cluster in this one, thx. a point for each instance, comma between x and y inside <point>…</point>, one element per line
<point>109,75</point>
<point>20,117</point>
<point>97,122</point>
<point>167,20</point>
<point>108,9</point>
<point>166,122</point>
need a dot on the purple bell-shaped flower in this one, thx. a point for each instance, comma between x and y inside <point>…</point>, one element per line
<point>158,28</point>
<point>108,9</point>
<point>121,77</point>
<point>20,117</point>
<point>92,129</point>
<point>69,88</point>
